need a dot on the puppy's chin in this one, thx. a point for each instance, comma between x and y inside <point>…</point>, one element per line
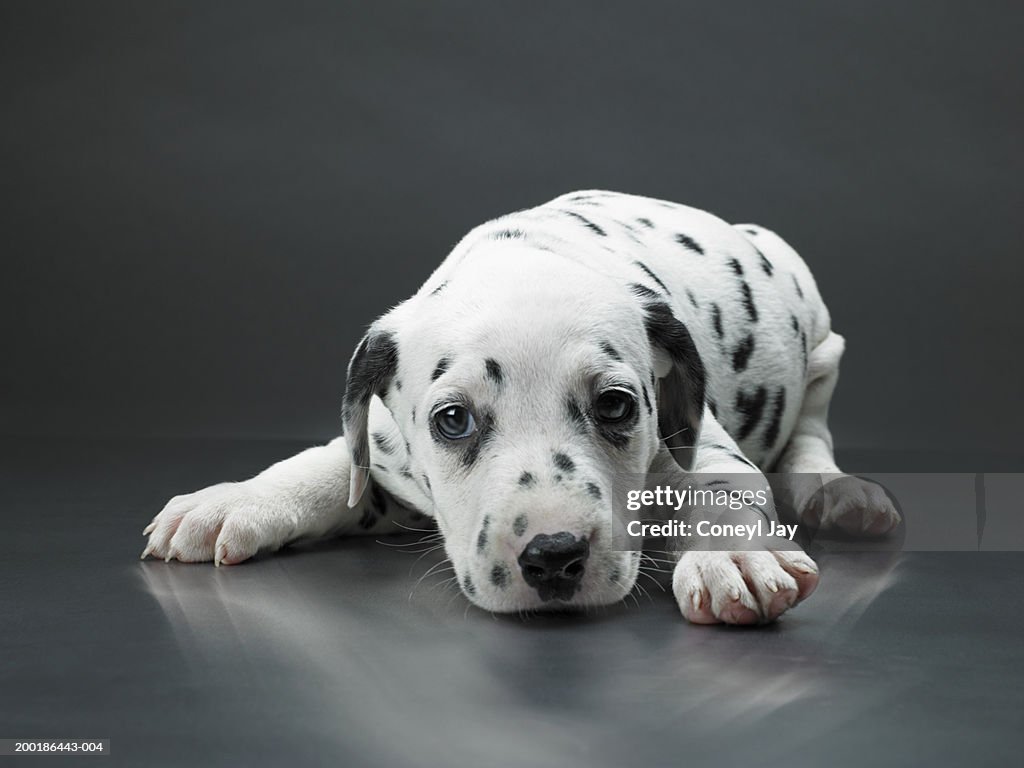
<point>527,600</point>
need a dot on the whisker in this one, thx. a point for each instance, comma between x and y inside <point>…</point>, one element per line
<point>679,447</point>
<point>431,570</point>
<point>677,432</point>
<point>407,544</point>
<point>417,530</point>
<point>641,572</point>
<point>424,554</point>
<point>399,546</point>
<point>640,588</point>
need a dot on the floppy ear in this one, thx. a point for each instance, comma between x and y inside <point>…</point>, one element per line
<point>370,372</point>
<point>680,382</point>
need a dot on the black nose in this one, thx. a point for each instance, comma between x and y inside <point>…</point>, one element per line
<point>553,564</point>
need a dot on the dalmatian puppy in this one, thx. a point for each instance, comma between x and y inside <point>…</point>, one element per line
<point>599,335</point>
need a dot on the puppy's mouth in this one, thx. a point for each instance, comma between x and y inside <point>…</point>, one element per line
<point>559,571</point>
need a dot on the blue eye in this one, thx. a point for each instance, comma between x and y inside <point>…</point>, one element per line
<point>614,406</point>
<point>454,422</point>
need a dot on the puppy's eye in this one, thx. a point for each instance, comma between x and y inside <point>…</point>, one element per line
<point>454,422</point>
<point>614,406</point>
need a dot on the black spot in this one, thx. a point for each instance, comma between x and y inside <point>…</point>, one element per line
<point>614,437</point>
<point>799,290</point>
<point>646,222</point>
<point>643,291</point>
<point>767,266</point>
<point>494,371</point>
<point>481,437</point>
<point>468,585</point>
<point>587,223</point>
<point>377,500</point>
<point>398,385</point>
<point>748,301</point>
<point>741,354</point>
<point>481,539</point>
<point>735,266</point>
<point>795,323</point>
<point>383,444</point>
<point>426,482</point>
<point>692,298</point>
<point>716,320</point>
<point>367,519</point>
<point>593,490</point>
<point>647,399</point>
<point>406,472</point>
<point>564,463</point>
<point>558,478</point>
<point>750,407</point>
<point>442,366</point>
<point>630,232</point>
<point>439,288</point>
<point>499,576</point>
<point>803,347</point>
<point>771,433</point>
<point>577,417</point>
<point>412,414</point>
<point>750,231</point>
<point>689,242</point>
<point>653,276</point>
<point>379,467</point>
<point>526,479</point>
<point>507,234</point>
<point>611,351</point>
<point>519,525</point>
<point>373,510</point>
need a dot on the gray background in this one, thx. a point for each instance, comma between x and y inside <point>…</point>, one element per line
<point>203,204</point>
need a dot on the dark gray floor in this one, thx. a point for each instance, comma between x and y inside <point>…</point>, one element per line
<point>337,653</point>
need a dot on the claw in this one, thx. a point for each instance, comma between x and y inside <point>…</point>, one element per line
<point>145,552</point>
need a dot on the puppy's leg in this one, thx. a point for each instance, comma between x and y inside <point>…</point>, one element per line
<point>819,492</point>
<point>747,586</point>
<point>302,497</point>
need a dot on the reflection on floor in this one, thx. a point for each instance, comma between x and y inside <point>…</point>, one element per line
<point>339,652</point>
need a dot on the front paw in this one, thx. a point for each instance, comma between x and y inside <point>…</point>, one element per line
<point>742,587</point>
<point>225,523</point>
<point>856,507</point>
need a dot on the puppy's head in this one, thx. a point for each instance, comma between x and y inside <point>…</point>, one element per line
<point>522,387</point>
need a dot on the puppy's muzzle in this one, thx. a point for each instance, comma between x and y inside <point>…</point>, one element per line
<point>553,564</point>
